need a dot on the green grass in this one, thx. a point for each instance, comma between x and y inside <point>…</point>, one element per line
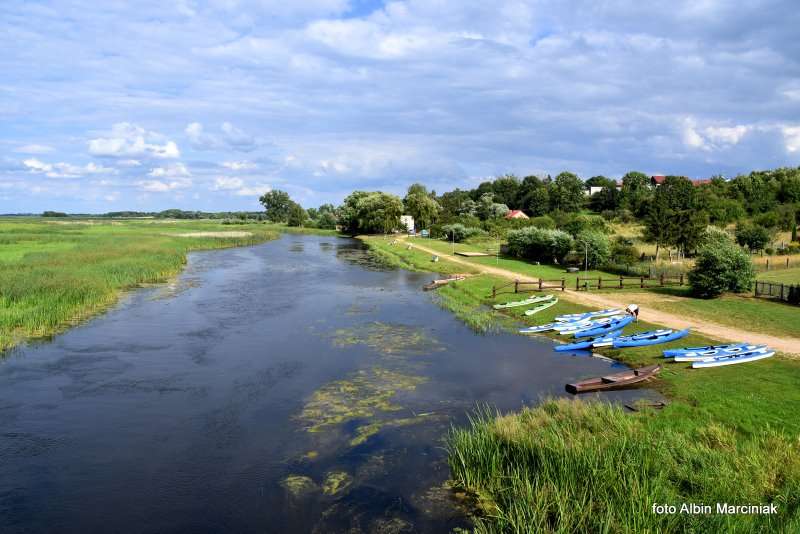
<point>53,274</point>
<point>396,253</point>
<point>786,276</point>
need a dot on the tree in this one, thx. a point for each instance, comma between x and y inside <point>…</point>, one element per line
<point>489,209</point>
<point>636,192</point>
<point>276,203</point>
<point>452,202</point>
<point>297,216</point>
<point>540,244</point>
<point>657,223</point>
<point>533,196</point>
<point>371,212</point>
<point>506,190</point>
<point>600,181</point>
<point>419,204</point>
<point>566,193</point>
<point>594,246</point>
<point>721,266</point>
<point>608,198</point>
<point>752,236</point>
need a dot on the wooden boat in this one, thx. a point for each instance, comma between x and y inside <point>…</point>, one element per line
<point>615,381</point>
<point>436,284</point>
<point>526,302</point>
<point>542,306</point>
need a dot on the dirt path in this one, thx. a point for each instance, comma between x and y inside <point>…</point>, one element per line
<point>787,345</point>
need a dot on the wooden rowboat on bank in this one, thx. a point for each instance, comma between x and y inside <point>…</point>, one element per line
<point>615,381</point>
<point>436,284</point>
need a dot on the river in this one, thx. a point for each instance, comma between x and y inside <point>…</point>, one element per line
<point>293,386</point>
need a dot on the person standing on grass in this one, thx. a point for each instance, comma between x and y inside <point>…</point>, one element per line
<point>633,309</point>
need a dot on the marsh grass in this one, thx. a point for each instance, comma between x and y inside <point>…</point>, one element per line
<point>577,466</point>
<point>54,275</point>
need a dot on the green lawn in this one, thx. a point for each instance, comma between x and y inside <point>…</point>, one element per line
<point>56,272</point>
<point>786,276</point>
<point>395,252</point>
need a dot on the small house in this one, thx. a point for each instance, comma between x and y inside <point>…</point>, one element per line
<point>407,221</point>
<point>516,214</point>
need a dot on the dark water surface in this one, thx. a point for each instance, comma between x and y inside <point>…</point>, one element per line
<point>287,387</point>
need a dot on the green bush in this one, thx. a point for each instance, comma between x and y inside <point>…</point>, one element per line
<point>720,267</point>
<point>458,232</point>
<point>596,245</point>
<point>753,236</point>
<point>540,244</point>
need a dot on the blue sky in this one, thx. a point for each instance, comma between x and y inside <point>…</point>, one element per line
<point>147,105</point>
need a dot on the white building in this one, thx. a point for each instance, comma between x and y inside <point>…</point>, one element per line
<point>408,222</point>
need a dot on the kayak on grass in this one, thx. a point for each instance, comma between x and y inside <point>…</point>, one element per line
<point>526,302</point>
<point>608,341</point>
<point>706,354</point>
<point>730,359</point>
<point>641,341</point>
<point>541,307</point>
<point>570,328</point>
<point>553,326</point>
<point>586,343</point>
<point>668,353</point>
<point>599,331</point>
<point>587,315</point>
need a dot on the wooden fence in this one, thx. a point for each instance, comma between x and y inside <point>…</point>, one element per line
<point>786,292</point>
<point>775,264</point>
<point>628,281</point>
<point>518,286</point>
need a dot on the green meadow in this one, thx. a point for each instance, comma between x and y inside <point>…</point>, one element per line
<point>56,273</point>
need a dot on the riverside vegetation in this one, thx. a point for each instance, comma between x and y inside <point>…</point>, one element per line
<point>584,466</point>
<point>55,272</point>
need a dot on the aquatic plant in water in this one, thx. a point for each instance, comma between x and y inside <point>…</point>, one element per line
<point>336,481</point>
<point>388,338</point>
<point>299,485</point>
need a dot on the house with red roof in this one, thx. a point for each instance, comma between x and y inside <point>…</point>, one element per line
<point>516,214</point>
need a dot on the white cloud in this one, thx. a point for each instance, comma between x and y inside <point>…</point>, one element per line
<point>160,186</point>
<point>126,139</point>
<point>791,136</point>
<point>253,191</point>
<point>34,149</point>
<point>230,137</point>
<point>64,170</point>
<point>129,163</point>
<point>239,165</point>
<point>227,182</point>
<point>173,170</point>
<point>729,135</point>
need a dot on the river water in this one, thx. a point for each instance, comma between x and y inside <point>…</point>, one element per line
<point>294,386</point>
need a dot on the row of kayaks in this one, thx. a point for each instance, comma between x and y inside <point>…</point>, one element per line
<point>719,355</point>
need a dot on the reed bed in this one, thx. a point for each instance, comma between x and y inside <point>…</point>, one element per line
<point>54,275</point>
<point>577,466</point>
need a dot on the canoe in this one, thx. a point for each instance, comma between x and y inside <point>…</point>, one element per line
<point>732,359</point>
<point>586,343</point>
<point>617,324</point>
<point>707,354</point>
<point>615,381</point>
<point>570,328</point>
<point>668,353</point>
<point>553,326</point>
<point>436,284</point>
<point>588,315</point>
<point>541,307</point>
<point>608,342</point>
<point>526,302</point>
<point>651,340</point>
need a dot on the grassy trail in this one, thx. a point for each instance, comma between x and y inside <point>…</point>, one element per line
<point>694,313</point>
<point>56,273</point>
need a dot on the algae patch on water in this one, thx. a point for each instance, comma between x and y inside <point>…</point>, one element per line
<point>388,338</point>
<point>336,481</point>
<point>362,395</point>
<point>364,432</point>
<point>299,485</point>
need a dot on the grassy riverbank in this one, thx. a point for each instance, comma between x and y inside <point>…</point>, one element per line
<point>727,435</point>
<point>56,273</point>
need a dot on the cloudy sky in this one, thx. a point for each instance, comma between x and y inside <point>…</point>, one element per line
<point>205,104</point>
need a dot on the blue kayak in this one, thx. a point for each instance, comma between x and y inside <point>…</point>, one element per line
<point>654,339</point>
<point>732,359</point>
<point>675,352</point>
<point>586,343</point>
<point>708,354</point>
<point>601,330</point>
<point>609,341</point>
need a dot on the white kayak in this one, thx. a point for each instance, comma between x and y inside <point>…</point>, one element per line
<point>542,306</point>
<point>571,328</point>
<point>701,355</point>
<point>526,302</point>
<point>588,315</point>
<point>731,359</point>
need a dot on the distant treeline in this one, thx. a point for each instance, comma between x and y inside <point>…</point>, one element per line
<point>166,214</point>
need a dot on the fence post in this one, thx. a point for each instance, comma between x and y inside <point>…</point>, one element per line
<point>563,284</point>
<point>681,283</point>
<point>599,282</point>
<point>661,279</point>
<point>516,286</point>
<point>620,281</point>
<point>540,284</point>
<point>768,264</point>
<point>756,290</point>
<point>781,290</point>
<point>494,292</point>
<point>787,262</point>
<point>577,283</point>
